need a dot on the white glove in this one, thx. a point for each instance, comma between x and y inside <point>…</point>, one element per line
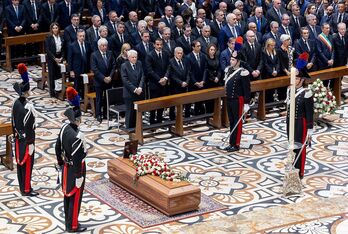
<point>79,182</point>
<point>31,149</point>
<point>246,107</point>
<point>310,133</point>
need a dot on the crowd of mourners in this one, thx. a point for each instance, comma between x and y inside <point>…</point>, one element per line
<point>155,48</point>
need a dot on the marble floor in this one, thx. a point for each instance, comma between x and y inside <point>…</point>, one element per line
<point>248,182</point>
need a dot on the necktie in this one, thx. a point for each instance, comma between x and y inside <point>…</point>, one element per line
<point>287,31</point>
<point>69,6</point>
<point>279,14</point>
<point>97,34</point>
<point>121,39</point>
<point>83,51</point>
<point>220,25</point>
<point>75,28</point>
<point>168,44</point>
<point>134,26</point>
<point>188,40</point>
<point>179,32</point>
<point>51,11</point>
<point>252,49</point>
<point>114,25</point>
<point>169,21</point>
<point>207,40</point>
<point>307,45</point>
<point>182,66</point>
<point>199,31</point>
<point>147,47</point>
<point>34,10</point>
<point>234,32</point>
<point>343,42</point>
<point>296,21</point>
<point>133,65</point>
<point>16,10</point>
<point>340,17</point>
<point>258,21</point>
<point>314,31</point>
<point>198,60</point>
<point>160,56</point>
<point>105,59</point>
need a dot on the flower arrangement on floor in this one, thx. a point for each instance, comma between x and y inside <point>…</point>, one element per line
<point>152,164</point>
<point>324,100</point>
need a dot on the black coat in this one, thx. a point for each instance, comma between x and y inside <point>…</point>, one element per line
<point>132,79</point>
<point>340,50</point>
<point>269,65</point>
<point>156,69</point>
<point>12,21</point>
<point>102,70</point>
<point>78,63</point>
<point>46,18</point>
<point>253,60</point>
<point>177,75</point>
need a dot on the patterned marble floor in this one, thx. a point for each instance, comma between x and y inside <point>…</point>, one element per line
<point>247,181</point>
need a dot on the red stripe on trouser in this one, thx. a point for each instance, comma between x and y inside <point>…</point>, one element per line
<point>27,186</point>
<point>75,215</point>
<point>303,154</point>
<point>26,154</point>
<point>240,112</point>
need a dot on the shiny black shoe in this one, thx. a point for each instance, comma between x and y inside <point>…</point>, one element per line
<point>30,194</point>
<point>231,148</point>
<point>79,229</point>
<point>99,119</point>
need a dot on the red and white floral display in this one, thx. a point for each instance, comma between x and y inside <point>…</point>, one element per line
<point>152,164</point>
<point>324,100</point>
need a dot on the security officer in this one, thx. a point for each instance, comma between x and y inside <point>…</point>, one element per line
<point>304,106</point>
<point>23,124</point>
<point>237,86</point>
<point>71,153</point>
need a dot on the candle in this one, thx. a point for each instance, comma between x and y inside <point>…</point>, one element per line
<point>292,108</point>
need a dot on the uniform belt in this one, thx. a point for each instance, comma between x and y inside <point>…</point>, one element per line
<point>232,98</point>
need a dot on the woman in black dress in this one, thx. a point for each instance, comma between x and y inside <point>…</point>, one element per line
<point>271,65</point>
<point>117,82</point>
<point>54,45</point>
<point>212,73</point>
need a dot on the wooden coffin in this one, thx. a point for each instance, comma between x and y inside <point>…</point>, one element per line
<point>169,197</point>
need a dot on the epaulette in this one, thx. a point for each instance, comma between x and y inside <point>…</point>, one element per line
<point>244,72</point>
<point>308,93</point>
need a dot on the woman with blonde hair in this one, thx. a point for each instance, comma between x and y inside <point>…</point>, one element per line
<point>152,30</point>
<point>271,64</point>
<point>123,57</point>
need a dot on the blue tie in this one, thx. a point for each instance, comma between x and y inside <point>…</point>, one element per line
<point>258,24</point>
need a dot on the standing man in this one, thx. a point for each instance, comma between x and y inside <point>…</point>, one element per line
<point>340,44</point>
<point>103,66</point>
<point>303,119</point>
<point>228,31</point>
<point>92,34</point>
<point>23,124</point>
<point>71,152</point>
<point>48,15</point>
<point>78,59</point>
<point>70,32</point>
<point>133,79</point>
<point>325,49</point>
<point>304,44</point>
<point>157,62</point>
<point>237,86</point>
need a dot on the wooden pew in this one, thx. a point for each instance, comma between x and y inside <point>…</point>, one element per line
<point>89,95</point>
<point>65,81</point>
<point>178,100</point>
<point>7,160</point>
<point>42,82</point>
<point>218,94</point>
<point>20,40</point>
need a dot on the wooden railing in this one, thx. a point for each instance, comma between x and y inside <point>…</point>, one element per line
<point>217,94</point>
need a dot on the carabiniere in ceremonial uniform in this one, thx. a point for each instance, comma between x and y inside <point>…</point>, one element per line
<point>23,124</point>
<point>71,153</point>
<point>237,86</point>
<point>304,108</point>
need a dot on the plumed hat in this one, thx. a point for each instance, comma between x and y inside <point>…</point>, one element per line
<point>301,64</point>
<point>74,100</point>
<point>20,88</point>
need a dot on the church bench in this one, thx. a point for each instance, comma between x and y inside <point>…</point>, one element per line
<point>20,40</point>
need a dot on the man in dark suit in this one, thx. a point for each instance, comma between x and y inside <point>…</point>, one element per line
<point>168,44</point>
<point>275,12</point>
<point>197,62</point>
<point>70,31</point>
<point>178,73</point>
<point>340,45</point>
<point>178,28</point>
<point>258,36</point>
<point>143,48</point>
<point>103,66</point>
<point>48,15</point>
<point>32,9</point>
<point>326,55</point>
<point>65,10</point>
<point>314,29</point>
<point>339,17</point>
<point>117,40</point>
<point>131,24</point>
<point>168,17</point>
<point>185,40</point>
<point>78,59</point>
<point>297,21</point>
<point>15,18</point>
<point>259,20</point>
<point>197,31</point>
<point>157,62</point>
<point>225,55</point>
<point>136,36</point>
<point>133,80</point>
<point>304,44</point>
<point>92,33</point>
<point>251,55</point>
<point>111,24</point>
<point>274,33</point>
<point>240,23</point>
<point>285,27</point>
<point>217,24</point>
<point>229,30</point>
<point>206,39</point>
<point>328,16</point>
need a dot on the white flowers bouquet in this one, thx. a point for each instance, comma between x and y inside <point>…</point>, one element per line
<point>324,100</point>
<point>152,164</point>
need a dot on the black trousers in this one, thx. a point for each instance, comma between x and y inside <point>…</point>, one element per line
<point>235,110</point>
<point>72,207</point>
<point>53,74</point>
<point>100,101</point>
<point>78,85</point>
